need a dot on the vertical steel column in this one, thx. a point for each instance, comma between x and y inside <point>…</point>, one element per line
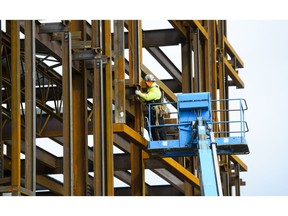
<point>15,109</point>
<point>225,175</point>
<point>107,43</point>
<point>134,67</point>
<point>196,60</point>
<point>30,107</point>
<point>135,60</point>
<point>221,72</point>
<point>206,55</point>
<point>79,101</point>
<point>67,114</point>
<point>98,107</point>
<point>119,72</point>
<point>1,120</point>
<point>226,86</point>
<point>202,69</point>
<point>8,31</point>
<point>212,64</point>
<point>187,73</point>
<point>237,180</point>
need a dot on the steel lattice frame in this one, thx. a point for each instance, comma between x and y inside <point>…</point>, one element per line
<point>70,78</point>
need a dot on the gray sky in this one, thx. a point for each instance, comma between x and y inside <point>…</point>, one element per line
<point>263,46</point>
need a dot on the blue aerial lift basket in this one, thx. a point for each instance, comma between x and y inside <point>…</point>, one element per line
<point>194,136</point>
<point>190,108</point>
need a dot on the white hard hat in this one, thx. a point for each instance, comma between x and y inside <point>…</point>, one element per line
<point>150,78</point>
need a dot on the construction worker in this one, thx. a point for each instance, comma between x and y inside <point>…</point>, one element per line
<point>153,95</point>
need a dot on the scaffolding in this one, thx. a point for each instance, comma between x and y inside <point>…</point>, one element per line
<point>69,85</point>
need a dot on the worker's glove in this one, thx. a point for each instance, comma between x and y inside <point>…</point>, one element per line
<point>137,86</point>
<point>137,92</point>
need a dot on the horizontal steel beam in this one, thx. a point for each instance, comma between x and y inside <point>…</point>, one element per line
<point>53,27</point>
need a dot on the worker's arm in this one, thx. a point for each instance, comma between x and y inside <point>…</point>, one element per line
<point>152,94</point>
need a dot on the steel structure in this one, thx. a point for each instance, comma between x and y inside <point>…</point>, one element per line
<point>64,82</point>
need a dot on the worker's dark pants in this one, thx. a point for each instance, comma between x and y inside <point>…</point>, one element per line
<point>158,133</point>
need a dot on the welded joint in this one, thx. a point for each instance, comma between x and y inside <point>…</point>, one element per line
<point>98,51</point>
<point>75,35</point>
<point>98,55</point>
<point>66,36</point>
<point>233,62</point>
<point>220,49</point>
<point>220,54</point>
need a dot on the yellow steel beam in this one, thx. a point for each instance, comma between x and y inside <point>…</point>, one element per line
<point>98,149</point>
<point>15,190</point>
<point>197,24</point>
<point>181,172</point>
<point>67,114</point>
<point>232,53</point>
<point>135,60</point>
<point>178,170</point>
<point>173,166</point>
<point>233,74</point>
<point>108,109</point>
<point>236,160</point>
<point>30,112</point>
<point>129,134</point>
<point>45,181</point>
<point>119,72</point>
<point>80,139</point>
<point>50,183</point>
<point>42,155</point>
<point>15,111</point>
